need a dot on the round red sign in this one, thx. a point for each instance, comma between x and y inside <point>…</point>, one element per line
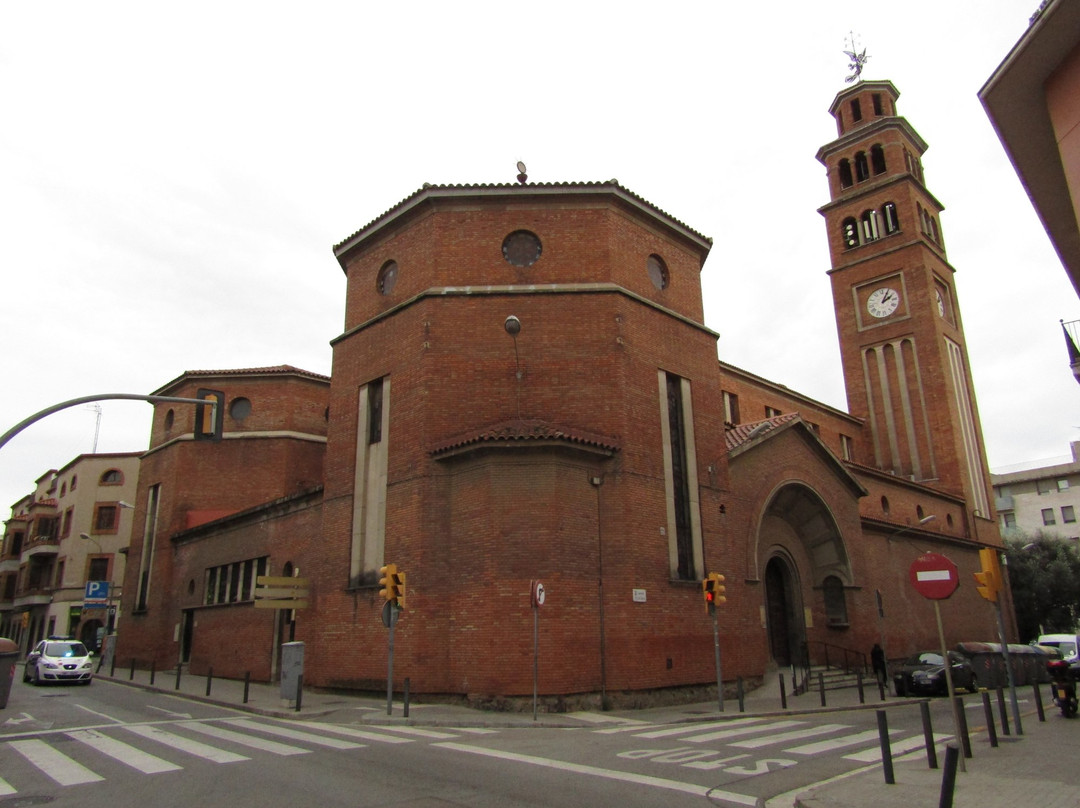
<point>934,576</point>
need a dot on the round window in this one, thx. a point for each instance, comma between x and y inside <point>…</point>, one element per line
<point>240,408</point>
<point>658,273</point>
<point>387,278</point>
<point>522,248</point>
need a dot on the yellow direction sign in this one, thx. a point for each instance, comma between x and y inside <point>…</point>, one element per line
<point>278,592</point>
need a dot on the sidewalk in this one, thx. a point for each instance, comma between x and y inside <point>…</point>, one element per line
<point>1041,767</point>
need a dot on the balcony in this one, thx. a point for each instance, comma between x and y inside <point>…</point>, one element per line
<point>41,596</point>
<point>9,564</point>
<point>1003,504</point>
<point>40,545</point>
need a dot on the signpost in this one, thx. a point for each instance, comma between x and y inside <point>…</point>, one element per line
<point>537,596</point>
<point>935,577</point>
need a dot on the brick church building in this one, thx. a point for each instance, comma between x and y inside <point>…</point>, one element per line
<point>525,389</point>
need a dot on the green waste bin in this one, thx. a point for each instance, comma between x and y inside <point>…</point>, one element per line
<point>9,655</point>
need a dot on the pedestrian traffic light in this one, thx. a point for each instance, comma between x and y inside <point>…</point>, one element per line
<point>713,589</point>
<point>389,583</point>
<point>988,580</point>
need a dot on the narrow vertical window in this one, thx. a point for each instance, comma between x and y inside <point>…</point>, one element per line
<point>869,226</point>
<point>856,110</point>
<point>681,484</point>
<point>862,167</point>
<point>375,403</point>
<point>877,158</point>
<point>878,108</point>
<point>888,214</point>
<point>845,173</point>
<point>147,557</point>
<point>731,408</point>
<point>846,451</point>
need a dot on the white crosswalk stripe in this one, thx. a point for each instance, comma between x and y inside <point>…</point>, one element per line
<point>682,729</point>
<point>794,735</point>
<point>126,753</point>
<point>241,739</point>
<point>754,729</point>
<point>293,734</point>
<point>56,765</point>
<point>179,742</point>
<point>900,747</point>
<point>832,744</point>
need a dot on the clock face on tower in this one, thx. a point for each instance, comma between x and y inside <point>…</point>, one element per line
<point>883,302</point>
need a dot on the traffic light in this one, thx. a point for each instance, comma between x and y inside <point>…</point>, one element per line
<point>713,589</point>
<point>988,580</point>
<point>389,583</point>
<point>209,417</point>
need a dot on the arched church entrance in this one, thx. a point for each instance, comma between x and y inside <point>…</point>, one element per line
<point>804,557</point>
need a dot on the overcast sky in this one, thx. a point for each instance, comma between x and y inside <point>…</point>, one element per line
<point>173,178</point>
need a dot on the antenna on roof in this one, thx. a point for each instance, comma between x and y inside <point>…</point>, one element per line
<point>522,177</point>
<point>858,61</point>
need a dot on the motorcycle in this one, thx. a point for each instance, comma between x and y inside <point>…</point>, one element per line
<point>1063,679</point>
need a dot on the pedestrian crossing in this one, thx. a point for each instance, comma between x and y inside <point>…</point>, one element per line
<point>160,747</point>
<point>798,738</point>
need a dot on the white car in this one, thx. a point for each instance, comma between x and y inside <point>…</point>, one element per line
<point>59,661</point>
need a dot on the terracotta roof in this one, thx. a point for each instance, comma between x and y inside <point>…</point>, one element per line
<point>739,434</point>
<point>527,431</point>
<point>535,188</point>
<point>263,371</point>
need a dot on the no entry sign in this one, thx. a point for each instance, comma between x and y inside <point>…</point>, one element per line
<point>934,576</point>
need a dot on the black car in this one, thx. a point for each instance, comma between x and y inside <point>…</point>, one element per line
<point>924,675</point>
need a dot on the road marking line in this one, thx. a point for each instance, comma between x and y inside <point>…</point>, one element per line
<point>794,735</point>
<point>684,728</point>
<point>296,735</point>
<point>915,742</point>
<point>262,744</point>
<point>594,718</point>
<point>712,794</point>
<point>202,750</point>
<point>417,731</point>
<point>747,730</point>
<point>56,765</point>
<point>352,732</point>
<point>125,753</point>
<point>106,716</point>
<point>624,728</point>
<point>838,743</point>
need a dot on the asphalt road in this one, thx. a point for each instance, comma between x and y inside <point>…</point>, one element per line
<point>111,745</point>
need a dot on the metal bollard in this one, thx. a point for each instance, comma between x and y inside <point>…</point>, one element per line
<point>988,711</point>
<point>783,693</point>
<point>112,666</point>
<point>740,694</point>
<point>948,777</point>
<point>131,675</point>
<point>1001,709</point>
<point>881,687</point>
<point>858,684</point>
<point>965,739</point>
<point>179,665</point>
<point>406,711</point>
<point>299,691</point>
<point>886,747</point>
<point>1038,700</point>
<point>821,687</point>
<point>928,735</point>
<point>247,685</point>
<point>153,671</point>
<point>209,678</point>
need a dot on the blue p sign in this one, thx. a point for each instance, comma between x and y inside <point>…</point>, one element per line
<point>97,591</point>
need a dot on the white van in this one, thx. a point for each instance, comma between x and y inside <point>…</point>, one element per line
<point>1066,643</point>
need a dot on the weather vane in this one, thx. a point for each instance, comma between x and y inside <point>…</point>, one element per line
<point>858,61</point>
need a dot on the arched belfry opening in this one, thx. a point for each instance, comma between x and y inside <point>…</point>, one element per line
<point>802,555</point>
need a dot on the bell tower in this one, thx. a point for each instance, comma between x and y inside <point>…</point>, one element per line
<point>901,338</point>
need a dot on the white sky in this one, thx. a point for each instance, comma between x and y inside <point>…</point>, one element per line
<point>172,180</point>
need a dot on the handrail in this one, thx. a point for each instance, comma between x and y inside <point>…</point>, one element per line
<point>852,660</point>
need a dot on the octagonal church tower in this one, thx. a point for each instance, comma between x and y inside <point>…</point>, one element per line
<point>520,394</point>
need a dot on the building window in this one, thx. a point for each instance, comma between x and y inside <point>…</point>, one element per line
<point>105,518</point>
<point>846,448</point>
<point>233,583</point>
<point>1045,486</point>
<point>1048,516</point>
<point>835,603</point>
<point>683,529</point>
<point>856,110</point>
<point>112,477</point>
<point>888,215</point>
<point>849,229</point>
<point>870,226</point>
<point>862,167</point>
<point>657,271</point>
<point>65,531</point>
<point>1062,485</point>
<point>878,108</point>
<point>771,412</point>
<point>387,278</point>
<point>679,477</point>
<point>1068,515</point>
<point>98,569</point>
<point>368,533</point>
<point>731,408</point>
<point>240,408</point>
<point>845,174</point>
<point>375,402</point>
<point>1008,520</point>
<point>877,158</point>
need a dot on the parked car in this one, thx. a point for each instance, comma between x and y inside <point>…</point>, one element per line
<point>924,674</point>
<point>59,661</point>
